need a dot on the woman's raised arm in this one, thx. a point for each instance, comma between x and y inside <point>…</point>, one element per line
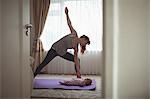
<point>69,22</point>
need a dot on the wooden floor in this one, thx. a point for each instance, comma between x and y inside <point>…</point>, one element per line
<point>67,94</point>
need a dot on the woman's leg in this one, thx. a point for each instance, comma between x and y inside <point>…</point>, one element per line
<point>50,55</point>
<point>70,57</point>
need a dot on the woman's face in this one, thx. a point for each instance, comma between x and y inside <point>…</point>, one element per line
<point>83,42</point>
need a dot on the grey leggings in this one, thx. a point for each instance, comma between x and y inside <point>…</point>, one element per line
<point>50,56</point>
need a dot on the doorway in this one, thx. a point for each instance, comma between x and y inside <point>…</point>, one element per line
<point>92,61</point>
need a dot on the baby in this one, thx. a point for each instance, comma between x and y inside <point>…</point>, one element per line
<point>77,82</point>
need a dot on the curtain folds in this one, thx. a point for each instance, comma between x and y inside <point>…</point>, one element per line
<point>40,10</point>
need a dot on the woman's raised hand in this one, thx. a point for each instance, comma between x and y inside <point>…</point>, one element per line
<point>66,10</point>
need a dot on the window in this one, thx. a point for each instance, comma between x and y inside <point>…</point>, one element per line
<point>86,18</point>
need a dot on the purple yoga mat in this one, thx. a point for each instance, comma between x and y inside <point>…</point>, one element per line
<point>54,84</point>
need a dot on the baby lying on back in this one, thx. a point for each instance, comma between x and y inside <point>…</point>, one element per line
<point>77,82</point>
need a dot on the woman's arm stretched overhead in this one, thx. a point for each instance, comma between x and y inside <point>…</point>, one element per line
<point>69,22</point>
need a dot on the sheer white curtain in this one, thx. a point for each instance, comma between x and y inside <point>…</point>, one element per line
<point>86,18</point>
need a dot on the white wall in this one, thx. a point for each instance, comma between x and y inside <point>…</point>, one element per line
<point>133,49</point>
<point>0,49</point>
<point>149,44</point>
<point>108,28</point>
<point>11,74</point>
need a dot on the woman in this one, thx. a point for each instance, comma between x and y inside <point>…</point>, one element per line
<point>59,48</point>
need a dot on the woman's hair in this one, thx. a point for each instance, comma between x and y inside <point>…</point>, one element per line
<point>83,48</point>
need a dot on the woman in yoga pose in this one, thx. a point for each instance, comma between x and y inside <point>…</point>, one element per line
<point>59,48</point>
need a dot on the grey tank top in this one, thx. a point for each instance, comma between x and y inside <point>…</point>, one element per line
<point>63,44</point>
